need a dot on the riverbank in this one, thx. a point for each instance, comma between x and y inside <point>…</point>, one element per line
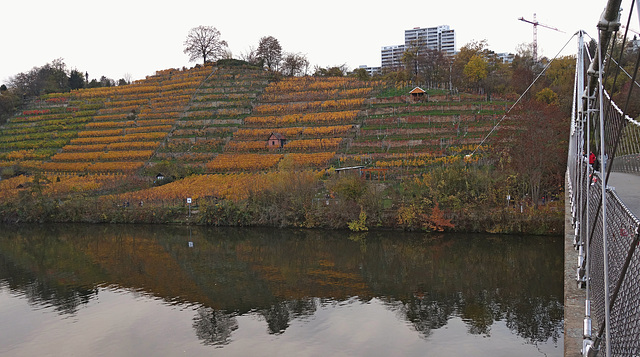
<point>326,214</point>
<point>456,197</point>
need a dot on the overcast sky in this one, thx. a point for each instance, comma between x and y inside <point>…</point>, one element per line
<point>117,37</point>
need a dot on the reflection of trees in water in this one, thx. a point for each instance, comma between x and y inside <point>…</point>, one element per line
<point>427,315</point>
<point>536,319</point>
<point>479,311</point>
<point>279,316</point>
<point>426,281</point>
<point>65,300</point>
<point>544,322</point>
<point>428,312</point>
<point>214,327</point>
<point>40,291</point>
<point>494,278</point>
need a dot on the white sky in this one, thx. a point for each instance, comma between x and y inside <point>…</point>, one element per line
<point>138,37</point>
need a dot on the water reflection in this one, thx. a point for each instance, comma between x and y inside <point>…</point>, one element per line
<point>287,275</point>
<point>214,327</point>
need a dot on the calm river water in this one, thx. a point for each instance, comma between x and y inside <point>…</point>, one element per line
<point>87,290</point>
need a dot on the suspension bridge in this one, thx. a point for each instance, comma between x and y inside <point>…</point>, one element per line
<point>602,293</point>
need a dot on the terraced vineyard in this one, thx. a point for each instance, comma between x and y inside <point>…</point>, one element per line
<point>101,130</point>
<point>216,110</point>
<point>245,146</point>
<point>219,120</point>
<point>36,134</point>
<point>312,118</point>
<point>399,132</point>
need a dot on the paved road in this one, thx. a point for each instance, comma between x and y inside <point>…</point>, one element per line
<point>627,186</point>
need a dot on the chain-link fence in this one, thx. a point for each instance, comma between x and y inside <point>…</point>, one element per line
<point>604,139</point>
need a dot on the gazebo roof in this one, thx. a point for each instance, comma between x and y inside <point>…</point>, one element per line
<point>417,90</point>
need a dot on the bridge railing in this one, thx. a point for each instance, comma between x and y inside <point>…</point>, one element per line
<point>606,231</point>
<point>623,263</point>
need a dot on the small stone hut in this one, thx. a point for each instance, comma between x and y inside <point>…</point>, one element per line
<point>276,140</point>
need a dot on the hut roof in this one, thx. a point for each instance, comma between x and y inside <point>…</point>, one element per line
<point>417,90</point>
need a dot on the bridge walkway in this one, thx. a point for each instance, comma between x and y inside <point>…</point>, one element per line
<point>627,186</point>
<point>573,296</point>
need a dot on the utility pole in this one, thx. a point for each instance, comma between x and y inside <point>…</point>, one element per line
<point>535,24</point>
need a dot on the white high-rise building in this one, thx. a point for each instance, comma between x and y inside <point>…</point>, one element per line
<point>440,38</point>
<point>392,56</point>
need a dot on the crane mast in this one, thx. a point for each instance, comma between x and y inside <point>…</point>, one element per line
<point>535,24</point>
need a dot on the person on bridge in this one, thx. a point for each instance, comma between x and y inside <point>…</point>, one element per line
<point>593,161</point>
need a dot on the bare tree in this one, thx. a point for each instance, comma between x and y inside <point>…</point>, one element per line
<point>534,138</point>
<point>335,71</point>
<point>249,55</point>
<point>294,64</point>
<point>270,51</point>
<point>204,42</point>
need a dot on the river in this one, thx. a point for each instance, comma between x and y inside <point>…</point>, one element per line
<point>118,290</point>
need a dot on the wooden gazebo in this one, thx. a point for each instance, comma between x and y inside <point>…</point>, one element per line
<point>417,93</point>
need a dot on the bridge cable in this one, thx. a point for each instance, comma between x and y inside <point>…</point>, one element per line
<point>520,98</point>
<point>621,125</point>
<point>625,72</point>
<point>604,325</point>
<point>616,137</point>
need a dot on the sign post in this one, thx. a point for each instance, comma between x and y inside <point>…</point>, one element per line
<point>189,203</point>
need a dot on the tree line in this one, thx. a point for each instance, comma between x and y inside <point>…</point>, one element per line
<point>52,77</point>
<point>205,43</point>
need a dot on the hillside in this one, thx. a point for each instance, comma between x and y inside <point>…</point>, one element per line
<point>219,119</point>
<point>247,148</point>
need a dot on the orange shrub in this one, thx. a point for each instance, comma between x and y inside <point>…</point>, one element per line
<point>9,188</point>
<point>111,117</point>
<point>133,145</point>
<point>316,159</point>
<point>77,156</point>
<point>115,166</point>
<point>233,187</point>
<point>291,132</point>
<point>98,140</point>
<point>99,133</point>
<point>311,118</point>
<point>110,124</point>
<point>314,144</point>
<point>144,136</point>
<point>224,162</point>
<point>64,166</point>
<point>127,155</point>
<point>246,146</point>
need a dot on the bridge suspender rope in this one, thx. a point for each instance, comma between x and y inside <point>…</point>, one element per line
<point>520,98</point>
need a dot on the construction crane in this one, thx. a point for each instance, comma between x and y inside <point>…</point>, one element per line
<point>535,24</point>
